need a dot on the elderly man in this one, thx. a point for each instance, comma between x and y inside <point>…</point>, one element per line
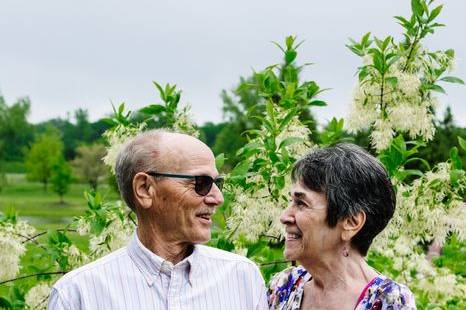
<point>171,182</point>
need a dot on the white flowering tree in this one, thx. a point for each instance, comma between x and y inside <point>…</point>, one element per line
<point>394,99</point>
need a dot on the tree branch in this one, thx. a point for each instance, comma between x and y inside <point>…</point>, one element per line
<point>33,275</point>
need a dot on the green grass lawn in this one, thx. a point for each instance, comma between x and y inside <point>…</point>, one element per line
<point>31,201</point>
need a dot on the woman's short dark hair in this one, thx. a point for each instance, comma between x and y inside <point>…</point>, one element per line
<point>353,181</point>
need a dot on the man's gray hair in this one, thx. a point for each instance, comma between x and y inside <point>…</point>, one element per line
<point>139,154</point>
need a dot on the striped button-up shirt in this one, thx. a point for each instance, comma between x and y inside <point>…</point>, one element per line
<point>135,278</point>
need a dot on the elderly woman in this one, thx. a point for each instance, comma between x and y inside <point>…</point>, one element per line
<point>341,198</point>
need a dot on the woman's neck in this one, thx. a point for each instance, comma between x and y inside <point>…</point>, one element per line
<point>336,272</point>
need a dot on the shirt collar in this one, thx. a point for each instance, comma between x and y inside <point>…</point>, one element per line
<point>151,265</point>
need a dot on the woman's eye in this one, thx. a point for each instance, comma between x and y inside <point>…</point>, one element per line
<point>298,203</point>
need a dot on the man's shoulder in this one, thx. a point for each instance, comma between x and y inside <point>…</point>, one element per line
<point>220,256</point>
<point>93,269</point>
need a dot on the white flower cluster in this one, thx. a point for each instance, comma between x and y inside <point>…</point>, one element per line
<point>76,258</point>
<point>37,296</point>
<point>253,217</point>
<point>395,104</point>
<point>12,248</point>
<point>83,227</point>
<point>296,129</point>
<point>113,237</point>
<point>183,122</point>
<point>255,212</point>
<point>429,208</point>
<point>116,138</point>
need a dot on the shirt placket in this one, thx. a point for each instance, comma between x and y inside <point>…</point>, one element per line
<point>174,289</point>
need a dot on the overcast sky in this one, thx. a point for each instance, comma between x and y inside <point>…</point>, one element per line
<point>67,54</point>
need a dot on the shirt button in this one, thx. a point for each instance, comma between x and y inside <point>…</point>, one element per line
<point>166,268</point>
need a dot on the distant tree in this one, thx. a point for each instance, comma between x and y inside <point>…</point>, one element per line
<point>88,163</point>
<point>44,153</point>
<point>209,132</point>
<point>15,131</point>
<point>61,177</point>
<point>81,131</point>
<point>2,178</point>
<point>83,127</point>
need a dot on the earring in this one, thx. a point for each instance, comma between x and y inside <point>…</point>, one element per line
<point>345,251</point>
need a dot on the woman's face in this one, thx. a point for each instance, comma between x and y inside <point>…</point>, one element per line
<point>308,237</point>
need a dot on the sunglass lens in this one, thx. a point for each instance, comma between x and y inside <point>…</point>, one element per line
<point>219,182</point>
<point>203,184</point>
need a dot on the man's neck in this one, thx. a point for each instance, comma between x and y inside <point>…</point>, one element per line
<point>170,250</point>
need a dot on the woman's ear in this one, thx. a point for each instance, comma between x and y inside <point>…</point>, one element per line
<point>352,225</point>
<point>143,189</point>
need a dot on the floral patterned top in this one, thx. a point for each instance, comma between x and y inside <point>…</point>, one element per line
<point>287,287</point>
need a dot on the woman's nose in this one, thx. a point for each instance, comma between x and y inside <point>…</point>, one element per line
<point>287,216</point>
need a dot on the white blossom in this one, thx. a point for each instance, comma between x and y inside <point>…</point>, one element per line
<point>10,253</point>
<point>37,296</point>
<point>116,235</point>
<point>116,138</point>
<point>296,129</point>
<point>83,227</point>
<point>382,134</point>
<point>183,122</point>
<point>76,257</point>
<point>12,247</point>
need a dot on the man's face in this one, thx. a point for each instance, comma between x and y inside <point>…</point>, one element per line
<point>182,214</point>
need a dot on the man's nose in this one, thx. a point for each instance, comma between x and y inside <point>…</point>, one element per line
<point>214,197</point>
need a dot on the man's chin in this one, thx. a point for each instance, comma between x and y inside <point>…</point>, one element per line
<point>202,237</point>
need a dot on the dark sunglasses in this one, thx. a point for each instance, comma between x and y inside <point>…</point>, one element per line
<point>203,183</point>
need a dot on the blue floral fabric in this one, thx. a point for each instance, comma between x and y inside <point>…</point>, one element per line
<point>287,287</point>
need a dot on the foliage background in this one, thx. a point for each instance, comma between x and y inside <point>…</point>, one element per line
<point>268,124</point>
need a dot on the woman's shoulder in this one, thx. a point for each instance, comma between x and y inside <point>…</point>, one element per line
<point>384,293</point>
<point>287,286</point>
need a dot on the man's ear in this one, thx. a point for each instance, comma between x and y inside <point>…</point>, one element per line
<point>352,225</point>
<point>143,189</point>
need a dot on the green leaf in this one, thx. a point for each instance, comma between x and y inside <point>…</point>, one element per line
<point>219,161</point>
<point>288,117</point>
<point>393,81</point>
<point>153,109</point>
<point>290,56</point>
<point>279,46</point>
<point>248,149</point>
<point>450,53</point>
<point>5,303</point>
<point>435,12</point>
<point>417,8</point>
<point>403,20</point>
<point>241,169</point>
<point>255,248</point>
<point>318,103</point>
<point>365,40</point>
<point>279,182</point>
<point>290,140</point>
<point>386,42</point>
<point>462,143</point>
<point>437,88</point>
<point>289,41</point>
<point>455,175</point>
<point>455,159</point>
<point>452,79</point>
<point>225,244</point>
<point>161,91</point>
